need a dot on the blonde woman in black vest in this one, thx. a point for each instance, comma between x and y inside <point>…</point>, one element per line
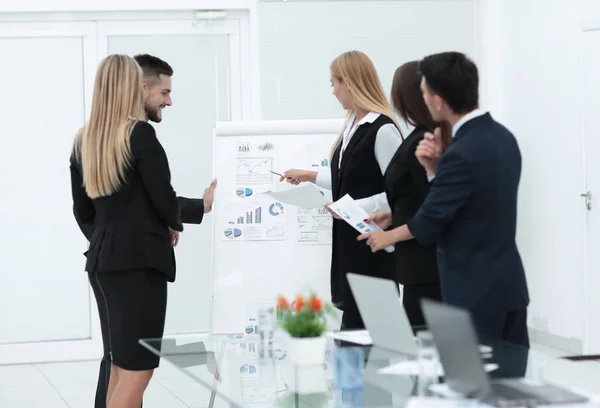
<point>359,159</point>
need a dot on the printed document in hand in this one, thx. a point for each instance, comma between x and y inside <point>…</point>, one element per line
<point>305,196</point>
<point>349,210</point>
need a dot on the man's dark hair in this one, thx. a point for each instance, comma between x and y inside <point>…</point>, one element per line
<point>153,67</point>
<point>454,77</point>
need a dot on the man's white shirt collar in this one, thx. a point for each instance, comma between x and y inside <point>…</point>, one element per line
<point>471,115</point>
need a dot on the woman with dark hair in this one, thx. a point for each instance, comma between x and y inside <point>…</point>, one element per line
<point>406,186</point>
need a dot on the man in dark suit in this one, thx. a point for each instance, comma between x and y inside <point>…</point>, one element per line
<point>157,96</point>
<point>471,208</point>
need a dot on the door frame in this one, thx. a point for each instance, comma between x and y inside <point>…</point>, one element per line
<point>246,17</point>
<point>90,347</point>
<point>230,27</point>
<point>586,26</point>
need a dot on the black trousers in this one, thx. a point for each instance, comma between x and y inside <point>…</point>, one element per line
<point>411,300</point>
<point>496,330</point>
<point>509,327</point>
<point>351,318</point>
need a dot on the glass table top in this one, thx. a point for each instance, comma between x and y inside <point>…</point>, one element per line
<point>238,371</point>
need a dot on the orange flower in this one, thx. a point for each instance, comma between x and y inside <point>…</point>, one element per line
<point>299,303</point>
<point>282,303</point>
<point>316,304</point>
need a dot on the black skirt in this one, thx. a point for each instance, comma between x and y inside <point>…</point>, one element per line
<point>134,306</point>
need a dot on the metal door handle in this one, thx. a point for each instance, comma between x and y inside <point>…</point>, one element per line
<point>588,199</point>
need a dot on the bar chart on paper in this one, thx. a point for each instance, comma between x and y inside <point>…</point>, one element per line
<point>321,163</point>
<point>251,217</point>
<point>264,220</point>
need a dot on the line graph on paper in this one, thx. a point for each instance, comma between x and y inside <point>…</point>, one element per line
<point>279,229</point>
<point>254,170</point>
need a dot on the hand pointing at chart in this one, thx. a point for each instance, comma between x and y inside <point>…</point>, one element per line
<point>295,176</point>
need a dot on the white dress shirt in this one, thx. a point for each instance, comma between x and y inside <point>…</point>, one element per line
<point>471,115</point>
<point>387,141</point>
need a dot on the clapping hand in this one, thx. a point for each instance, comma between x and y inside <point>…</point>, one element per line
<point>429,150</point>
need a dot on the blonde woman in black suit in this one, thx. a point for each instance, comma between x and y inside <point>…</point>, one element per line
<point>121,186</point>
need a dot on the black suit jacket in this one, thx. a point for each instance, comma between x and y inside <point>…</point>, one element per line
<point>130,228</point>
<point>406,187</point>
<point>191,211</point>
<point>471,212</point>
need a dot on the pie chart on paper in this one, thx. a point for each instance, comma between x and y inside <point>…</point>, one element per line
<point>275,209</point>
<point>247,369</point>
<point>232,233</point>
<point>243,192</point>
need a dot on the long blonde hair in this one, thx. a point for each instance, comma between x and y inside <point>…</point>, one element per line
<point>102,145</point>
<point>357,71</point>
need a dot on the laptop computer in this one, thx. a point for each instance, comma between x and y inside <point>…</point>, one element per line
<point>456,340</point>
<point>379,305</point>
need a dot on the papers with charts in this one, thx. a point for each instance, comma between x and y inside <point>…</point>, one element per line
<point>349,210</point>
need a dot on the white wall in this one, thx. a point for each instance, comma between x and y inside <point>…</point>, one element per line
<point>120,5</point>
<point>295,76</point>
<point>489,27</point>
<point>534,60</point>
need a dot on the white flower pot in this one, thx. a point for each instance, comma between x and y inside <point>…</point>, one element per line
<point>306,350</point>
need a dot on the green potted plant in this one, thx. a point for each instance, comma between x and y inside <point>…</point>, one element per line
<point>305,320</point>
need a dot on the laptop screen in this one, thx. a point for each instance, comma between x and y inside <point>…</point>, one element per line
<point>457,344</point>
<point>378,301</point>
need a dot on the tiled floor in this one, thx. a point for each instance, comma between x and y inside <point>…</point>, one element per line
<point>63,385</point>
